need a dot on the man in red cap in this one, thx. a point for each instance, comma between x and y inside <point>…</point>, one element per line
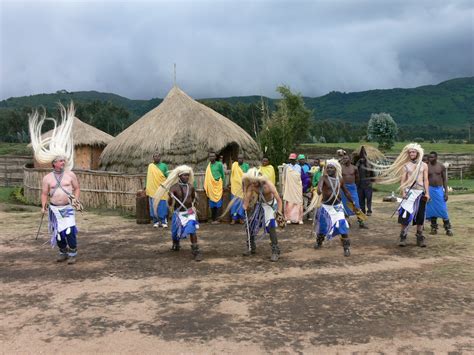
<point>293,191</point>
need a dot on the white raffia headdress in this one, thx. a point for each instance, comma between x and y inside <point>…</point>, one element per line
<point>172,179</point>
<point>59,144</point>
<point>335,163</point>
<point>390,174</point>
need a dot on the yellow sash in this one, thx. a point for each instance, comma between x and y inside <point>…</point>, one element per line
<point>269,172</point>
<point>214,188</point>
<point>154,178</point>
<point>236,180</point>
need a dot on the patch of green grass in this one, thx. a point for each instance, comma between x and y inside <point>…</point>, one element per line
<point>15,149</point>
<point>440,147</point>
<point>6,195</point>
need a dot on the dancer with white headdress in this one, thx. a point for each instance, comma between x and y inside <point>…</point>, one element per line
<point>262,196</point>
<point>60,186</point>
<point>182,195</point>
<point>329,219</point>
<point>412,173</point>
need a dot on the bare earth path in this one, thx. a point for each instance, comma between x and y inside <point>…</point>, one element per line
<point>129,293</point>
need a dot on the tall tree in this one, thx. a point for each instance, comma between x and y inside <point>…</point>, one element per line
<point>286,127</point>
<point>382,129</point>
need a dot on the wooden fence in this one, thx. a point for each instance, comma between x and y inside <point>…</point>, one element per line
<point>104,189</point>
<point>11,169</point>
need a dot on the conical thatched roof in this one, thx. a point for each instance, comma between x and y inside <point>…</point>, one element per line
<point>85,134</point>
<point>182,130</point>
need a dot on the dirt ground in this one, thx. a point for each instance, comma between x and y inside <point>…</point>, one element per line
<point>129,293</point>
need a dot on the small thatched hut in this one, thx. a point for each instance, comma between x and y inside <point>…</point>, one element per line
<point>183,131</point>
<point>89,142</point>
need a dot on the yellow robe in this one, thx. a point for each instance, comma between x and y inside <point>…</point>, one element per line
<point>269,172</point>
<point>214,188</point>
<point>236,180</point>
<point>154,179</point>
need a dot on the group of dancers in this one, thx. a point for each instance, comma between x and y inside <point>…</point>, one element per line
<point>423,190</point>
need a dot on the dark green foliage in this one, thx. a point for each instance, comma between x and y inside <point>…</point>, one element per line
<point>335,131</point>
<point>246,115</point>
<point>104,116</point>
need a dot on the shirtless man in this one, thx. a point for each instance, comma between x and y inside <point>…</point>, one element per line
<point>350,175</point>
<point>439,195</point>
<point>184,222</point>
<point>329,217</point>
<point>58,186</point>
<point>415,197</point>
<point>268,209</point>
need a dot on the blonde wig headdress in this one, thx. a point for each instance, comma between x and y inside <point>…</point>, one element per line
<point>390,174</point>
<point>172,179</point>
<point>59,144</point>
<point>253,175</point>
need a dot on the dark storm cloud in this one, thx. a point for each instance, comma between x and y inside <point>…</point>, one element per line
<point>225,48</point>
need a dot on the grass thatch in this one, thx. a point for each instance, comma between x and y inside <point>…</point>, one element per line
<point>85,134</point>
<point>182,130</point>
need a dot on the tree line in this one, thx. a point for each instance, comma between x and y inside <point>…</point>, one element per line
<point>277,126</point>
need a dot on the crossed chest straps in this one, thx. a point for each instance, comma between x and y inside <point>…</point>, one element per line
<point>185,196</point>
<point>335,185</point>
<point>58,185</point>
<point>261,197</point>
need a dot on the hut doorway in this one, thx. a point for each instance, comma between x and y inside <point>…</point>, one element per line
<point>230,153</point>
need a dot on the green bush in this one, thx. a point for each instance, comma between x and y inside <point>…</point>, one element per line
<point>18,195</point>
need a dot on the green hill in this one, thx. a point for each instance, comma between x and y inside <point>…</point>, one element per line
<point>450,103</point>
<point>135,107</point>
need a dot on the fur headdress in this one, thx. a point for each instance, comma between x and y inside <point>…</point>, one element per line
<point>172,179</point>
<point>59,144</point>
<point>390,174</point>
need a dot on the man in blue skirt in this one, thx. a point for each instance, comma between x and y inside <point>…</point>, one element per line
<point>436,208</point>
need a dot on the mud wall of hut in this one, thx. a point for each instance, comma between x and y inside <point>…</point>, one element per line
<point>87,157</point>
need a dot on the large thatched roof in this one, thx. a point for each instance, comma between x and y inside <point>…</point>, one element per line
<point>85,134</point>
<point>182,130</point>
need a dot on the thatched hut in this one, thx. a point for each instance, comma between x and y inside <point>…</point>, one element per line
<point>183,131</point>
<point>89,142</point>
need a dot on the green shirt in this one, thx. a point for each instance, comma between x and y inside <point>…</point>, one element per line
<point>245,167</point>
<point>316,177</point>
<point>217,170</point>
<point>163,167</point>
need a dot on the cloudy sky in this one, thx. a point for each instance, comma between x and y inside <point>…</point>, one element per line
<point>232,48</point>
